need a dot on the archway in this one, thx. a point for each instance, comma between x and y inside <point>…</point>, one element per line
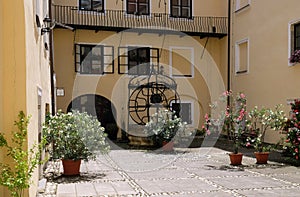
<point>100,107</point>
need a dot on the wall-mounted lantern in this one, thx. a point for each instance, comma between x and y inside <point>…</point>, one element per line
<point>47,25</point>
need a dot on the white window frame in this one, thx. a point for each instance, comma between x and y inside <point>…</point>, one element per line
<point>192,68</point>
<point>136,46</point>
<point>291,39</point>
<point>133,15</point>
<point>192,111</point>
<point>238,6</point>
<point>95,44</point>
<point>95,11</point>
<point>179,18</point>
<point>237,56</point>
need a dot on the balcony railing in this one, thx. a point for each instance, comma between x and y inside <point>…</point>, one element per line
<point>118,20</point>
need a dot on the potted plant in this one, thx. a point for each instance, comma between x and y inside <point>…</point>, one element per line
<point>259,121</point>
<point>231,121</point>
<point>73,137</point>
<point>292,127</point>
<point>234,123</point>
<point>163,127</point>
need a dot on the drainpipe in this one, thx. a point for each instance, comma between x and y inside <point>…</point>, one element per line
<point>229,50</point>
<point>229,46</point>
<point>51,62</point>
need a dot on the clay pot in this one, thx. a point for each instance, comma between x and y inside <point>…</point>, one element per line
<point>236,159</point>
<point>168,146</point>
<point>71,167</point>
<point>262,157</point>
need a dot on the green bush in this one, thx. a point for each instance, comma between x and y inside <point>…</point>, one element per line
<point>74,136</point>
<point>17,178</point>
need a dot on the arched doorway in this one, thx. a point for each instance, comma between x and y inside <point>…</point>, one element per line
<point>100,107</point>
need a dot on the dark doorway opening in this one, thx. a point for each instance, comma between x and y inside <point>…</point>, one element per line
<point>100,107</point>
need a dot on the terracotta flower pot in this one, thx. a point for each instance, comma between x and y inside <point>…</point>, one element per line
<point>71,167</point>
<point>262,157</point>
<point>168,146</point>
<point>236,159</point>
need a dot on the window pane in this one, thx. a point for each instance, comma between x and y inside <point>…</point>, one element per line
<point>297,30</point>
<point>185,112</point>
<point>132,8</point>
<point>185,12</point>
<point>175,2</point>
<point>97,5</point>
<point>143,69</point>
<point>297,43</point>
<point>143,9</point>
<point>186,3</point>
<point>243,50</point>
<point>85,5</point>
<point>138,61</point>
<point>175,11</point>
<point>132,68</point>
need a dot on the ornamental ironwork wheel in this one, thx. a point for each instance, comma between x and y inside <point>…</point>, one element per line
<point>148,94</point>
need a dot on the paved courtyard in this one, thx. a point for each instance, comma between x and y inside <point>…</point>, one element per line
<point>184,172</point>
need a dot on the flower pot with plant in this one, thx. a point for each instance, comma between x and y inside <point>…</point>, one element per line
<point>234,123</point>
<point>73,137</point>
<point>231,121</point>
<point>258,123</point>
<point>292,128</point>
<point>163,127</point>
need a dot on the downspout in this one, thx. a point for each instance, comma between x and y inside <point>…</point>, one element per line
<point>51,62</point>
<point>229,46</point>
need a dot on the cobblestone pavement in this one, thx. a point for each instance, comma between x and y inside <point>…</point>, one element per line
<point>183,172</point>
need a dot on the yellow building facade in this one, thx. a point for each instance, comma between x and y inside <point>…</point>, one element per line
<point>24,71</point>
<point>264,35</point>
<point>122,59</point>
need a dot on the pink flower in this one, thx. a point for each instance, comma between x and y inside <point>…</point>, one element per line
<point>242,96</point>
<point>208,132</point>
<point>248,144</point>
<point>206,117</point>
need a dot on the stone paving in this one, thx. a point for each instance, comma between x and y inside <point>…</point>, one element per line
<point>183,172</point>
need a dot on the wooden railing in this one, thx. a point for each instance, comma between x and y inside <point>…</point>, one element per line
<point>117,20</point>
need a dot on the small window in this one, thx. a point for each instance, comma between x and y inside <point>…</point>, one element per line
<point>138,7</point>
<point>297,36</point>
<point>184,111</point>
<point>181,8</point>
<point>242,57</point>
<point>241,4</point>
<point>91,5</point>
<point>294,44</point>
<point>94,59</point>
<point>139,61</point>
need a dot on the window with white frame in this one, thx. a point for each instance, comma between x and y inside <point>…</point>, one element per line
<point>184,110</point>
<point>181,8</point>
<point>242,56</point>
<point>241,4</point>
<point>182,61</point>
<point>139,61</point>
<point>138,7</point>
<point>91,5</point>
<point>94,59</point>
<point>295,36</point>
